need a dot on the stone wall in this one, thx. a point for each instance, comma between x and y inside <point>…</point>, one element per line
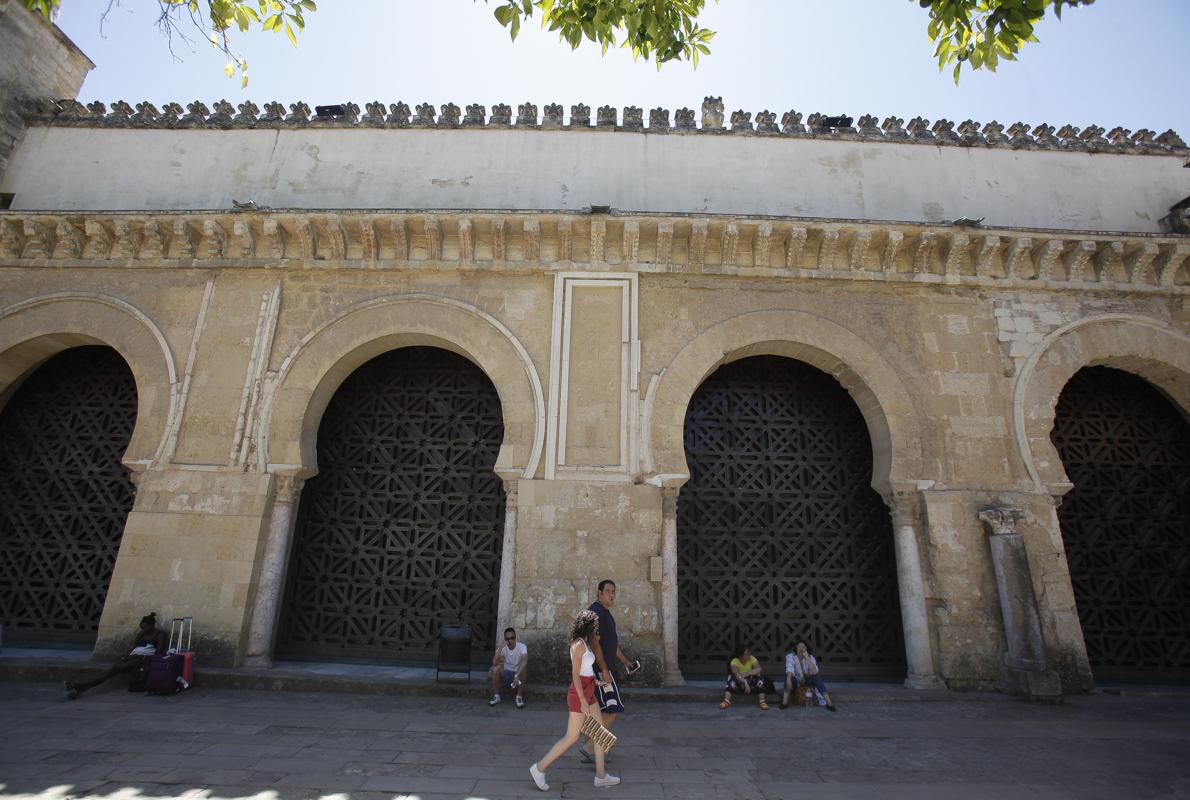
<point>239,328</point>
<point>40,65</point>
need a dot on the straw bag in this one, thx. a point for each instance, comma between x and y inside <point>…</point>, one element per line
<point>598,734</point>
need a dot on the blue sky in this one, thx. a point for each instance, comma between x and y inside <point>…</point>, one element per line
<point>1118,62</point>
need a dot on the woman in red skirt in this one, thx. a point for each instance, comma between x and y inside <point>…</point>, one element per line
<point>580,701</point>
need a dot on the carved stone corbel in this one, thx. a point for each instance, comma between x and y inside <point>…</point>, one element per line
<point>1077,259</point>
<point>598,241</point>
<point>433,231</point>
<point>795,242</point>
<point>1140,262</point>
<point>1018,254</point>
<point>69,241</point>
<point>499,241</point>
<point>532,230</point>
<point>665,242</point>
<point>956,254</point>
<point>466,242</point>
<point>400,234</point>
<point>631,242</point>
<point>1108,259</point>
<point>243,244</point>
<point>698,243</point>
<point>988,250</point>
<point>826,249</point>
<point>762,244</point>
<point>125,244</point>
<point>367,239</point>
<point>99,240</point>
<point>214,240</point>
<point>565,245</point>
<point>271,242</point>
<point>1170,263</point>
<point>181,243</point>
<point>1051,253</point>
<point>152,241</point>
<point>39,240</point>
<point>888,256</point>
<point>858,249</point>
<point>921,256</point>
<point>728,244</point>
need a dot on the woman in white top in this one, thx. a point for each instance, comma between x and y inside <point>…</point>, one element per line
<point>801,669</point>
<point>580,701</point>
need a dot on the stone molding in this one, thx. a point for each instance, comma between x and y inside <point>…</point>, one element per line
<point>1018,136</point>
<point>517,241</point>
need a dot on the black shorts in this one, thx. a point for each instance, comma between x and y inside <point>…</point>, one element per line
<point>609,698</point>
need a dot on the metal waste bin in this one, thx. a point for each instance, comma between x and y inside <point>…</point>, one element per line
<point>454,650</point>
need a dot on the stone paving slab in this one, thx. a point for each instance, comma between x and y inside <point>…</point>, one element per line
<point>220,744</point>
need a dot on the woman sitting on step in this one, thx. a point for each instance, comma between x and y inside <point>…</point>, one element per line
<point>150,641</point>
<point>746,676</point>
<point>801,671</point>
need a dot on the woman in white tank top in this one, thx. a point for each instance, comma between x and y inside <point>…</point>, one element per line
<point>580,701</point>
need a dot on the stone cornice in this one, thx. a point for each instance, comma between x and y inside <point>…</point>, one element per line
<point>969,133</point>
<point>533,241</point>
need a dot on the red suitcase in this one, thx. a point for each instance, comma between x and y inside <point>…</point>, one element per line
<point>185,631</point>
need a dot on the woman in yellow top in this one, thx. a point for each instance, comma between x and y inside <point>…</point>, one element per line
<point>746,676</point>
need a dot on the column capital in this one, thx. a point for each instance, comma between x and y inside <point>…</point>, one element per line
<point>288,489</point>
<point>511,491</point>
<point>1002,520</point>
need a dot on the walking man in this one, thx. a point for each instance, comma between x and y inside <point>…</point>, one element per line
<point>509,666</point>
<point>608,658</point>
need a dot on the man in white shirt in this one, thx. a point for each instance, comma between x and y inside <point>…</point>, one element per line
<point>508,668</point>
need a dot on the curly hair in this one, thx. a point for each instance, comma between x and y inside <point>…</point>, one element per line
<point>586,625</point>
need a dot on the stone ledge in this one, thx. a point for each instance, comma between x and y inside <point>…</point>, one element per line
<point>299,679</point>
<point>955,255</point>
<point>943,133</point>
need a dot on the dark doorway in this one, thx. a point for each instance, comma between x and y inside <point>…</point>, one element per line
<point>401,531</point>
<point>64,495</point>
<point>780,535</point>
<point>1126,523</point>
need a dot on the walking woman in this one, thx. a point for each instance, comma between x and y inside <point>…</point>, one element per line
<point>801,669</point>
<point>580,701</point>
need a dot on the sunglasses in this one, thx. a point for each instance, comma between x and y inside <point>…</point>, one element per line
<point>510,638</point>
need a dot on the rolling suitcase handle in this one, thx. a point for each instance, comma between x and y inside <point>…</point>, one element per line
<point>184,627</point>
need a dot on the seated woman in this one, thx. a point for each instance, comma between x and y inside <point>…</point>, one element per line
<point>150,641</point>
<point>801,669</point>
<point>745,676</point>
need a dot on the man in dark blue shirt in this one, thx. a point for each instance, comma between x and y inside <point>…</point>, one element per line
<point>608,658</point>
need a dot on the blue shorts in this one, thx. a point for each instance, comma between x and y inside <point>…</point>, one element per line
<point>608,697</point>
<point>507,677</point>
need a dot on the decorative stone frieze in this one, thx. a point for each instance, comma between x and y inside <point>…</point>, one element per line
<point>774,247</point>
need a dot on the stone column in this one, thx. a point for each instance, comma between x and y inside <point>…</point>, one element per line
<point>1024,661</point>
<point>669,586</point>
<point>270,584</point>
<point>507,556</point>
<point>919,651</point>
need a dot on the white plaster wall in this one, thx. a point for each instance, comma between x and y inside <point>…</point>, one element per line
<point>60,168</point>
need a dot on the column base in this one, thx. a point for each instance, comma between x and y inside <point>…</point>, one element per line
<point>258,662</point>
<point>673,678</point>
<point>929,682</point>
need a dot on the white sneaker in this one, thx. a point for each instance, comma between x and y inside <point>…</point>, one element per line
<point>520,701</point>
<point>495,700</point>
<point>606,780</point>
<point>539,778</point>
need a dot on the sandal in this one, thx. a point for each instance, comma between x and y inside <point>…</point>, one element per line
<point>726,704</point>
<point>764,706</point>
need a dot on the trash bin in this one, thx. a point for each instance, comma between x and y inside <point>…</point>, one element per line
<point>454,650</point>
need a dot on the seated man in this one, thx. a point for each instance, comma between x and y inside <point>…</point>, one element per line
<point>508,668</point>
<point>150,640</point>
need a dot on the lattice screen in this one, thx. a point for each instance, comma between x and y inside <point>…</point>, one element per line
<point>780,535</point>
<point>64,496</point>
<point>401,531</point>
<point>1126,522</point>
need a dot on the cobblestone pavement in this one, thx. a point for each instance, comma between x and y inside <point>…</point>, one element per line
<point>294,746</point>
